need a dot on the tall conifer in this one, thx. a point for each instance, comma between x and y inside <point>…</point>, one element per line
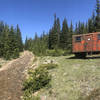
<point>97,21</point>
<point>64,35</point>
<point>19,38</point>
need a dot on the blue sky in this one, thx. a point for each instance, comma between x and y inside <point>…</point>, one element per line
<point>37,15</point>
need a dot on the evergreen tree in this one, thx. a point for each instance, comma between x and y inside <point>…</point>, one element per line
<point>86,28</point>
<point>1,39</point>
<point>13,48</point>
<point>70,36</point>
<point>38,45</point>
<point>97,20</point>
<point>93,21</point>
<point>83,30</point>
<point>19,39</point>
<point>36,37</point>
<point>58,31</point>
<point>64,35</point>
<point>76,29</point>
<point>90,26</point>
<point>1,27</point>
<point>50,42</point>
<point>54,34</point>
<point>5,41</point>
<point>79,28</point>
<point>8,42</point>
<point>26,44</point>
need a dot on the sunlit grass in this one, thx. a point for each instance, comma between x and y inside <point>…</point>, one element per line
<point>72,78</point>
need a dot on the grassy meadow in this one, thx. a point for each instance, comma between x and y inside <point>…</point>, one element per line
<point>73,79</point>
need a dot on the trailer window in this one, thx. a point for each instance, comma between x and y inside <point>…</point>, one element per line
<point>98,36</point>
<point>78,39</point>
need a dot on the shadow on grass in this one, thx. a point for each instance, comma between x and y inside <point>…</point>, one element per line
<point>89,57</point>
<point>75,58</point>
<point>94,57</point>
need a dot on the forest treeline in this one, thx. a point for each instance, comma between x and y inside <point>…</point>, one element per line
<point>59,39</point>
<point>10,41</point>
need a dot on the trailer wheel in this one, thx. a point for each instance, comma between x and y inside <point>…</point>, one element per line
<point>80,55</point>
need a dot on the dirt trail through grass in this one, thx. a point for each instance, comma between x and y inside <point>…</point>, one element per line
<point>12,75</point>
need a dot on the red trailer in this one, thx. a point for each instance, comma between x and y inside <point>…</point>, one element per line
<point>86,44</point>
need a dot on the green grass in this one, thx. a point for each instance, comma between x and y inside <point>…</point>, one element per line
<point>73,78</point>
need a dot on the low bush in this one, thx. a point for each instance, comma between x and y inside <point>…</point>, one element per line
<point>67,52</point>
<point>28,96</point>
<point>37,80</point>
<point>55,52</point>
<point>58,52</point>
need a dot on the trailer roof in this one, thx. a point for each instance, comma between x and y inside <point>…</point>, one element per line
<point>86,34</point>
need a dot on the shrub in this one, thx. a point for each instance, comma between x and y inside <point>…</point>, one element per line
<point>37,80</point>
<point>28,96</point>
<point>55,52</point>
<point>58,52</point>
<point>67,52</point>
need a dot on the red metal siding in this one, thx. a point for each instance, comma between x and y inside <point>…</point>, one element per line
<point>78,46</point>
<point>94,42</point>
<point>98,44</point>
<point>89,43</point>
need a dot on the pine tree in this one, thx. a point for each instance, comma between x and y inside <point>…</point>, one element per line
<point>13,48</point>
<point>97,20</point>
<point>70,36</point>
<point>93,21</point>
<point>58,31</point>
<point>5,40</point>
<point>64,35</point>
<point>26,44</point>
<point>1,38</point>
<point>54,34</point>
<point>83,28</point>
<point>8,42</point>
<point>76,29</point>
<point>90,26</point>
<point>86,28</point>
<point>19,39</point>
<point>1,27</point>
<point>36,37</point>
<point>50,42</point>
<point>79,28</point>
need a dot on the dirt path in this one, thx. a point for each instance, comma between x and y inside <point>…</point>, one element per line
<point>12,75</point>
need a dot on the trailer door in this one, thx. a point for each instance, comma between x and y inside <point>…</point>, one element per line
<point>88,43</point>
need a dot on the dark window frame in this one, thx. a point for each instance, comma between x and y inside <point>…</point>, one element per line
<point>78,39</point>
